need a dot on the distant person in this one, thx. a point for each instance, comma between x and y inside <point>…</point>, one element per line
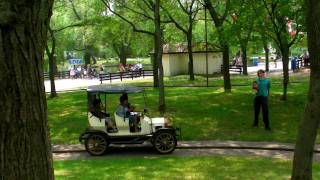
<point>72,73</point>
<point>79,72</point>
<point>121,68</point>
<point>101,69</point>
<point>262,89</point>
<point>138,67</point>
<point>305,58</point>
<point>89,71</point>
<point>129,67</point>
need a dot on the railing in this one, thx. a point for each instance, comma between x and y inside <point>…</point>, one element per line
<point>123,75</point>
<point>60,75</point>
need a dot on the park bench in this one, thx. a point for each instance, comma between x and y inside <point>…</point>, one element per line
<point>60,75</point>
<point>124,75</point>
<point>237,69</point>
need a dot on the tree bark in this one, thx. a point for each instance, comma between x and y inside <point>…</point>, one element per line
<point>123,59</point>
<point>226,73</point>
<point>244,60</point>
<point>159,49</point>
<point>122,51</point>
<point>87,56</point>
<point>52,64</point>
<point>266,54</point>
<point>190,53</point>
<point>25,148</point>
<point>155,66</point>
<point>285,62</point>
<point>303,154</point>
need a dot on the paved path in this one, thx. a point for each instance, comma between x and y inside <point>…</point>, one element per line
<point>188,148</point>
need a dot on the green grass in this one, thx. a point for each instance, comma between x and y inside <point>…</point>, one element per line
<point>215,80</point>
<point>202,113</point>
<point>177,168</point>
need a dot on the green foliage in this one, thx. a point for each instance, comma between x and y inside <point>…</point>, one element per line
<point>176,168</point>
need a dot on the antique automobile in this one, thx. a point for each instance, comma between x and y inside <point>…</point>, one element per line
<point>110,128</point>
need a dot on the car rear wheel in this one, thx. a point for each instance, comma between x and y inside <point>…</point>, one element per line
<point>96,144</point>
<point>164,142</point>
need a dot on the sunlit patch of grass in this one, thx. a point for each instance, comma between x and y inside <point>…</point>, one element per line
<point>177,168</point>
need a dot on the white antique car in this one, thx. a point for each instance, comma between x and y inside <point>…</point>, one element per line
<point>99,133</point>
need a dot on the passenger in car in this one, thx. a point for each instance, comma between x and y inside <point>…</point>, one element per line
<point>96,110</point>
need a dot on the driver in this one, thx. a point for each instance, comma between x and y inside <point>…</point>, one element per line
<point>124,110</point>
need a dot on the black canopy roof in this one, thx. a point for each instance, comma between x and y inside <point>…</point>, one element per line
<point>112,89</point>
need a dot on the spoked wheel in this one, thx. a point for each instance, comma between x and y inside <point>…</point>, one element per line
<point>96,144</point>
<point>164,142</point>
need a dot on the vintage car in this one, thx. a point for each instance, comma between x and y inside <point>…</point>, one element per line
<point>114,129</point>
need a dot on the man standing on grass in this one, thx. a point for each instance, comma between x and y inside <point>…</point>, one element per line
<point>262,89</point>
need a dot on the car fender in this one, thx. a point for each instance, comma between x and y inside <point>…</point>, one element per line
<point>86,134</point>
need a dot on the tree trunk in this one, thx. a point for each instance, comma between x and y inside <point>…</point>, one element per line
<point>218,22</point>
<point>155,67</point>
<point>122,52</point>
<point>159,50</point>
<point>52,64</point>
<point>244,60</point>
<point>303,154</point>
<point>87,56</point>
<point>266,53</point>
<point>190,52</point>
<point>285,62</point>
<point>52,72</point>
<point>123,59</point>
<point>25,148</point>
<point>226,74</point>
<point>123,56</point>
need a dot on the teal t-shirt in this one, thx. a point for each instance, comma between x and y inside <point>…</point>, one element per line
<point>264,86</point>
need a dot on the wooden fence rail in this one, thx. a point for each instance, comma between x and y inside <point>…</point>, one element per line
<point>233,69</point>
<point>124,75</point>
<point>60,75</point>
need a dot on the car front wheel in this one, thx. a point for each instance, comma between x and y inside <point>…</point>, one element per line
<point>96,144</point>
<point>164,142</point>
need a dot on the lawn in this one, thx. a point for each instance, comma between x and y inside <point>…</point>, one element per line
<point>216,80</point>
<point>202,113</point>
<point>177,168</point>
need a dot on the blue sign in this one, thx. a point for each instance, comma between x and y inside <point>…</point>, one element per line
<point>75,61</point>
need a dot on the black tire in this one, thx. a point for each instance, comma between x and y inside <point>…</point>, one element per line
<point>164,142</point>
<point>96,144</point>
